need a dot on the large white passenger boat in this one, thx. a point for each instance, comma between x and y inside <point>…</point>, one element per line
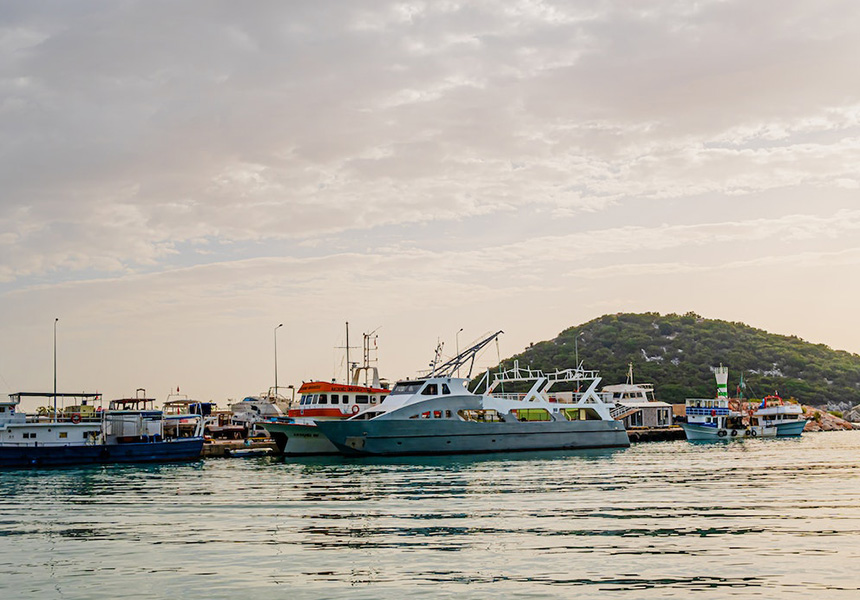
<point>437,414</point>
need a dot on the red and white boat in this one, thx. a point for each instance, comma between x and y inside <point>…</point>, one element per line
<point>297,435</point>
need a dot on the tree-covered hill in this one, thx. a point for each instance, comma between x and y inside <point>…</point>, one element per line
<point>678,352</point>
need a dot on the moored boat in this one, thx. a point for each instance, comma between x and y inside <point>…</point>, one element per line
<point>722,418</point>
<point>437,414</point>
<point>787,417</point>
<point>320,401</point>
<point>251,411</point>
<point>130,430</point>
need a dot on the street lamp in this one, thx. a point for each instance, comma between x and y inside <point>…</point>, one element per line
<point>276,357</point>
<point>457,340</point>
<point>55,368</point>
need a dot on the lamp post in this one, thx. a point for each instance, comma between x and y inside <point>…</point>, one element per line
<point>276,357</point>
<point>55,368</point>
<point>457,341</point>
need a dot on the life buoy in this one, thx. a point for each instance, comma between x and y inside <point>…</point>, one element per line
<point>722,433</point>
<point>76,418</point>
<point>354,408</point>
<point>713,413</point>
<point>734,432</point>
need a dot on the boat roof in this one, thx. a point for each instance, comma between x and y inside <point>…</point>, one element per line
<point>629,387</point>
<point>315,387</point>
<point>641,403</point>
<point>52,395</point>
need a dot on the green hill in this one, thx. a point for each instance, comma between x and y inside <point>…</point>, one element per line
<point>677,352</point>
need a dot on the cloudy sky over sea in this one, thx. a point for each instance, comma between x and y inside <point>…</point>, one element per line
<point>178,178</point>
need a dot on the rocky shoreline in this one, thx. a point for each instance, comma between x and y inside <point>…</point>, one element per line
<point>821,420</point>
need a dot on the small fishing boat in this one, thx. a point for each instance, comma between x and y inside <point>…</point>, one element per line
<point>180,410</point>
<point>722,418</point>
<point>787,417</point>
<point>130,430</point>
<point>437,414</point>
<point>253,410</point>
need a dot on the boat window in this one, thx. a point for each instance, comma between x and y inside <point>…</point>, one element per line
<point>431,390</point>
<point>406,387</point>
<point>437,414</point>
<point>445,389</point>
<point>323,399</point>
<point>481,416</point>
<point>447,414</point>
<point>64,434</point>
<point>334,399</point>
<point>361,399</point>
<point>533,414</point>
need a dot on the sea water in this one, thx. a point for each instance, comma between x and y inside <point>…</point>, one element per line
<point>746,519</point>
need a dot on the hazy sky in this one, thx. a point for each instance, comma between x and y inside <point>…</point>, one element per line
<point>177,178</point>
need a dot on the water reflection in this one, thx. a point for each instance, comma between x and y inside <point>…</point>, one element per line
<point>654,520</point>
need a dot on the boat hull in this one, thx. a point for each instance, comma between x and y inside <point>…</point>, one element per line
<point>294,439</point>
<point>393,437</point>
<point>695,432</point>
<point>790,428</point>
<point>55,455</point>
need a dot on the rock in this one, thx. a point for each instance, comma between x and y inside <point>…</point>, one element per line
<point>820,420</point>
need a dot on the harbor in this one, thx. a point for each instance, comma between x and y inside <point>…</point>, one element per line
<point>517,409</point>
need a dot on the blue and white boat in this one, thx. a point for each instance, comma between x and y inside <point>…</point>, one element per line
<point>786,417</point>
<point>130,430</point>
<point>721,418</point>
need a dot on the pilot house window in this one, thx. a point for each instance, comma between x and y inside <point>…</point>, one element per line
<point>430,390</point>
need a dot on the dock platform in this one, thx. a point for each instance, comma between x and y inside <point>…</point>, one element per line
<point>656,435</point>
<point>227,448</point>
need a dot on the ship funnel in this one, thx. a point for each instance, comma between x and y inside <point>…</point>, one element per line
<point>722,375</point>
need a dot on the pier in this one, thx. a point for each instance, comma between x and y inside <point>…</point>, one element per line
<point>664,434</point>
<point>227,448</point>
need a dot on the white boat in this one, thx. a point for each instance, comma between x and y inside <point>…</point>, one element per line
<point>252,410</point>
<point>721,418</point>
<point>786,417</point>
<point>181,411</point>
<point>437,414</point>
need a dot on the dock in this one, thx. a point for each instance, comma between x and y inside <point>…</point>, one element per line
<point>664,434</point>
<point>227,448</point>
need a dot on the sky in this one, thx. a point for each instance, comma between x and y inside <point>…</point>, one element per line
<point>179,178</point>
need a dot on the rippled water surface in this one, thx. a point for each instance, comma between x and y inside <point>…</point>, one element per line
<point>750,519</point>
